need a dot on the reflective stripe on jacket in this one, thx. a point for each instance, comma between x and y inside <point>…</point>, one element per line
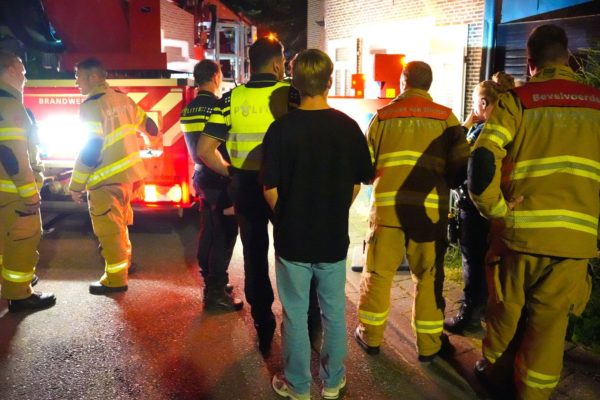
<point>545,141</point>
<point>418,149</point>
<point>17,179</point>
<point>112,120</point>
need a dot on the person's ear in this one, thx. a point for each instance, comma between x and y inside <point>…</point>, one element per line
<point>329,83</point>
<point>484,103</point>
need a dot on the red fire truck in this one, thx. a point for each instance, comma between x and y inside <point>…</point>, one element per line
<point>149,48</point>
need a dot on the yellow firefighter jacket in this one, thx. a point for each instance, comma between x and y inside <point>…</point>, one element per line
<point>111,154</point>
<point>542,142</point>
<point>17,179</point>
<point>419,150</point>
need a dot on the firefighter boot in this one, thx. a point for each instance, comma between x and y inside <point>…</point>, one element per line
<point>217,299</point>
<point>36,301</point>
<point>468,318</point>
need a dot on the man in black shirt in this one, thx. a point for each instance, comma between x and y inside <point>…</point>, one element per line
<point>218,227</point>
<point>315,158</point>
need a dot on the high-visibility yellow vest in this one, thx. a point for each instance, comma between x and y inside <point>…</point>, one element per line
<point>252,111</point>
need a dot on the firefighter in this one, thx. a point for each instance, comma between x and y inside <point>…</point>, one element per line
<point>473,228</point>
<point>241,119</point>
<point>218,227</point>
<point>419,152</point>
<point>109,167</point>
<point>19,193</point>
<point>535,174</point>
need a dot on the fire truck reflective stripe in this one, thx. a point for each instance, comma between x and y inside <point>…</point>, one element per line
<point>572,165</point>
<point>119,134</point>
<point>497,134</point>
<point>491,356</point>
<point>193,127</point>
<point>553,219</point>
<point>167,103</point>
<point>114,168</point>
<point>17,276</point>
<point>140,116</point>
<point>373,318</point>
<point>80,177</point>
<point>428,326</point>
<point>8,186</point>
<point>431,200</point>
<point>12,133</point>
<point>499,210</point>
<point>93,127</point>
<point>27,190</point>
<point>117,267</point>
<point>411,158</point>
<point>538,380</point>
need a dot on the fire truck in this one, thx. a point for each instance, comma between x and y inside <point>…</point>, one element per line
<point>149,48</point>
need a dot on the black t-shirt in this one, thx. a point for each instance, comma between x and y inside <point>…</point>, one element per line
<point>314,158</point>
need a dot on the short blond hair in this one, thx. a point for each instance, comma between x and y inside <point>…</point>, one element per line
<point>311,72</point>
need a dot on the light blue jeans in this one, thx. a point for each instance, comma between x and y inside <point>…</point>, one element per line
<point>293,284</point>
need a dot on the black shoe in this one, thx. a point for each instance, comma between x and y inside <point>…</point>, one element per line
<point>265,332</point>
<point>35,280</point>
<point>370,350</point>
<point>133,268</point>
<point>357,268</point>
<point>222,301</point>
<point>99,288</point>
<point>446,350</point>
<point>497,381</point>
<point>36,301</point>
<point>468,318</point>
<point>228,288</point>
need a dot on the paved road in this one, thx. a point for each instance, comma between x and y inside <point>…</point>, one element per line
<point>154,341</point>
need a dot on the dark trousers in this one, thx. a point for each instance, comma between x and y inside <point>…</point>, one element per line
<point>218,234</point>
<point>253,215</point>
<point>473,246</point>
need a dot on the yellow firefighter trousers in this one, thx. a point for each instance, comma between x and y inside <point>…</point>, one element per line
<point>19,240</point>
<point>546,289</point>
<point>424,251</point>
<point>110,211</point>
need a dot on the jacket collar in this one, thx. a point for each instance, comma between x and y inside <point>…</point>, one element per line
<point>263,77</point>
<point>414,92</point>
<point>554,72</point>
<point>103,87</point>
<point>12,91</point>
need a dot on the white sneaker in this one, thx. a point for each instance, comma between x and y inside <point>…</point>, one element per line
<point>333,392</point>
<point>281,387</point>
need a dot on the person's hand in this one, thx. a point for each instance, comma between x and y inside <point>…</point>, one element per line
<point>28,206</point>
<point>77,196</point>
<point>514,202</point>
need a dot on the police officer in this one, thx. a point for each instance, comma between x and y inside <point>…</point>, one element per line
<point>535,173</point>
<point>19,193</point>
<point>218,227</point>
<point>108,167</point>
<point>241,119</point>
<point>419,152</point>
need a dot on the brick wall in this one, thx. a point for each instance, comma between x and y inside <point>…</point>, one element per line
<point>315,31</point>
<point>176,24</point>
<point>343,16</point>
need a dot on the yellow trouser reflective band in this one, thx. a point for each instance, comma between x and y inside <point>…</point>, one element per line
<point>429,326</point>
<point>491,356</point>
<point>80,177</point>
<point>93,127</point>
<point>16,276</point>
<point>7,187</point>
<point>27,190</point>
<point>12,133</point>
<point>118,134</point>
<point>371,318</point>
<point>553,219</point>
<point>499,209</point>
<point>118,267</point>
<point>562,164</point>
<point>408,157</point>
<point>538,380</point>
<point>115,168</point>
<point>431,200</point>
<point>497,134</point>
